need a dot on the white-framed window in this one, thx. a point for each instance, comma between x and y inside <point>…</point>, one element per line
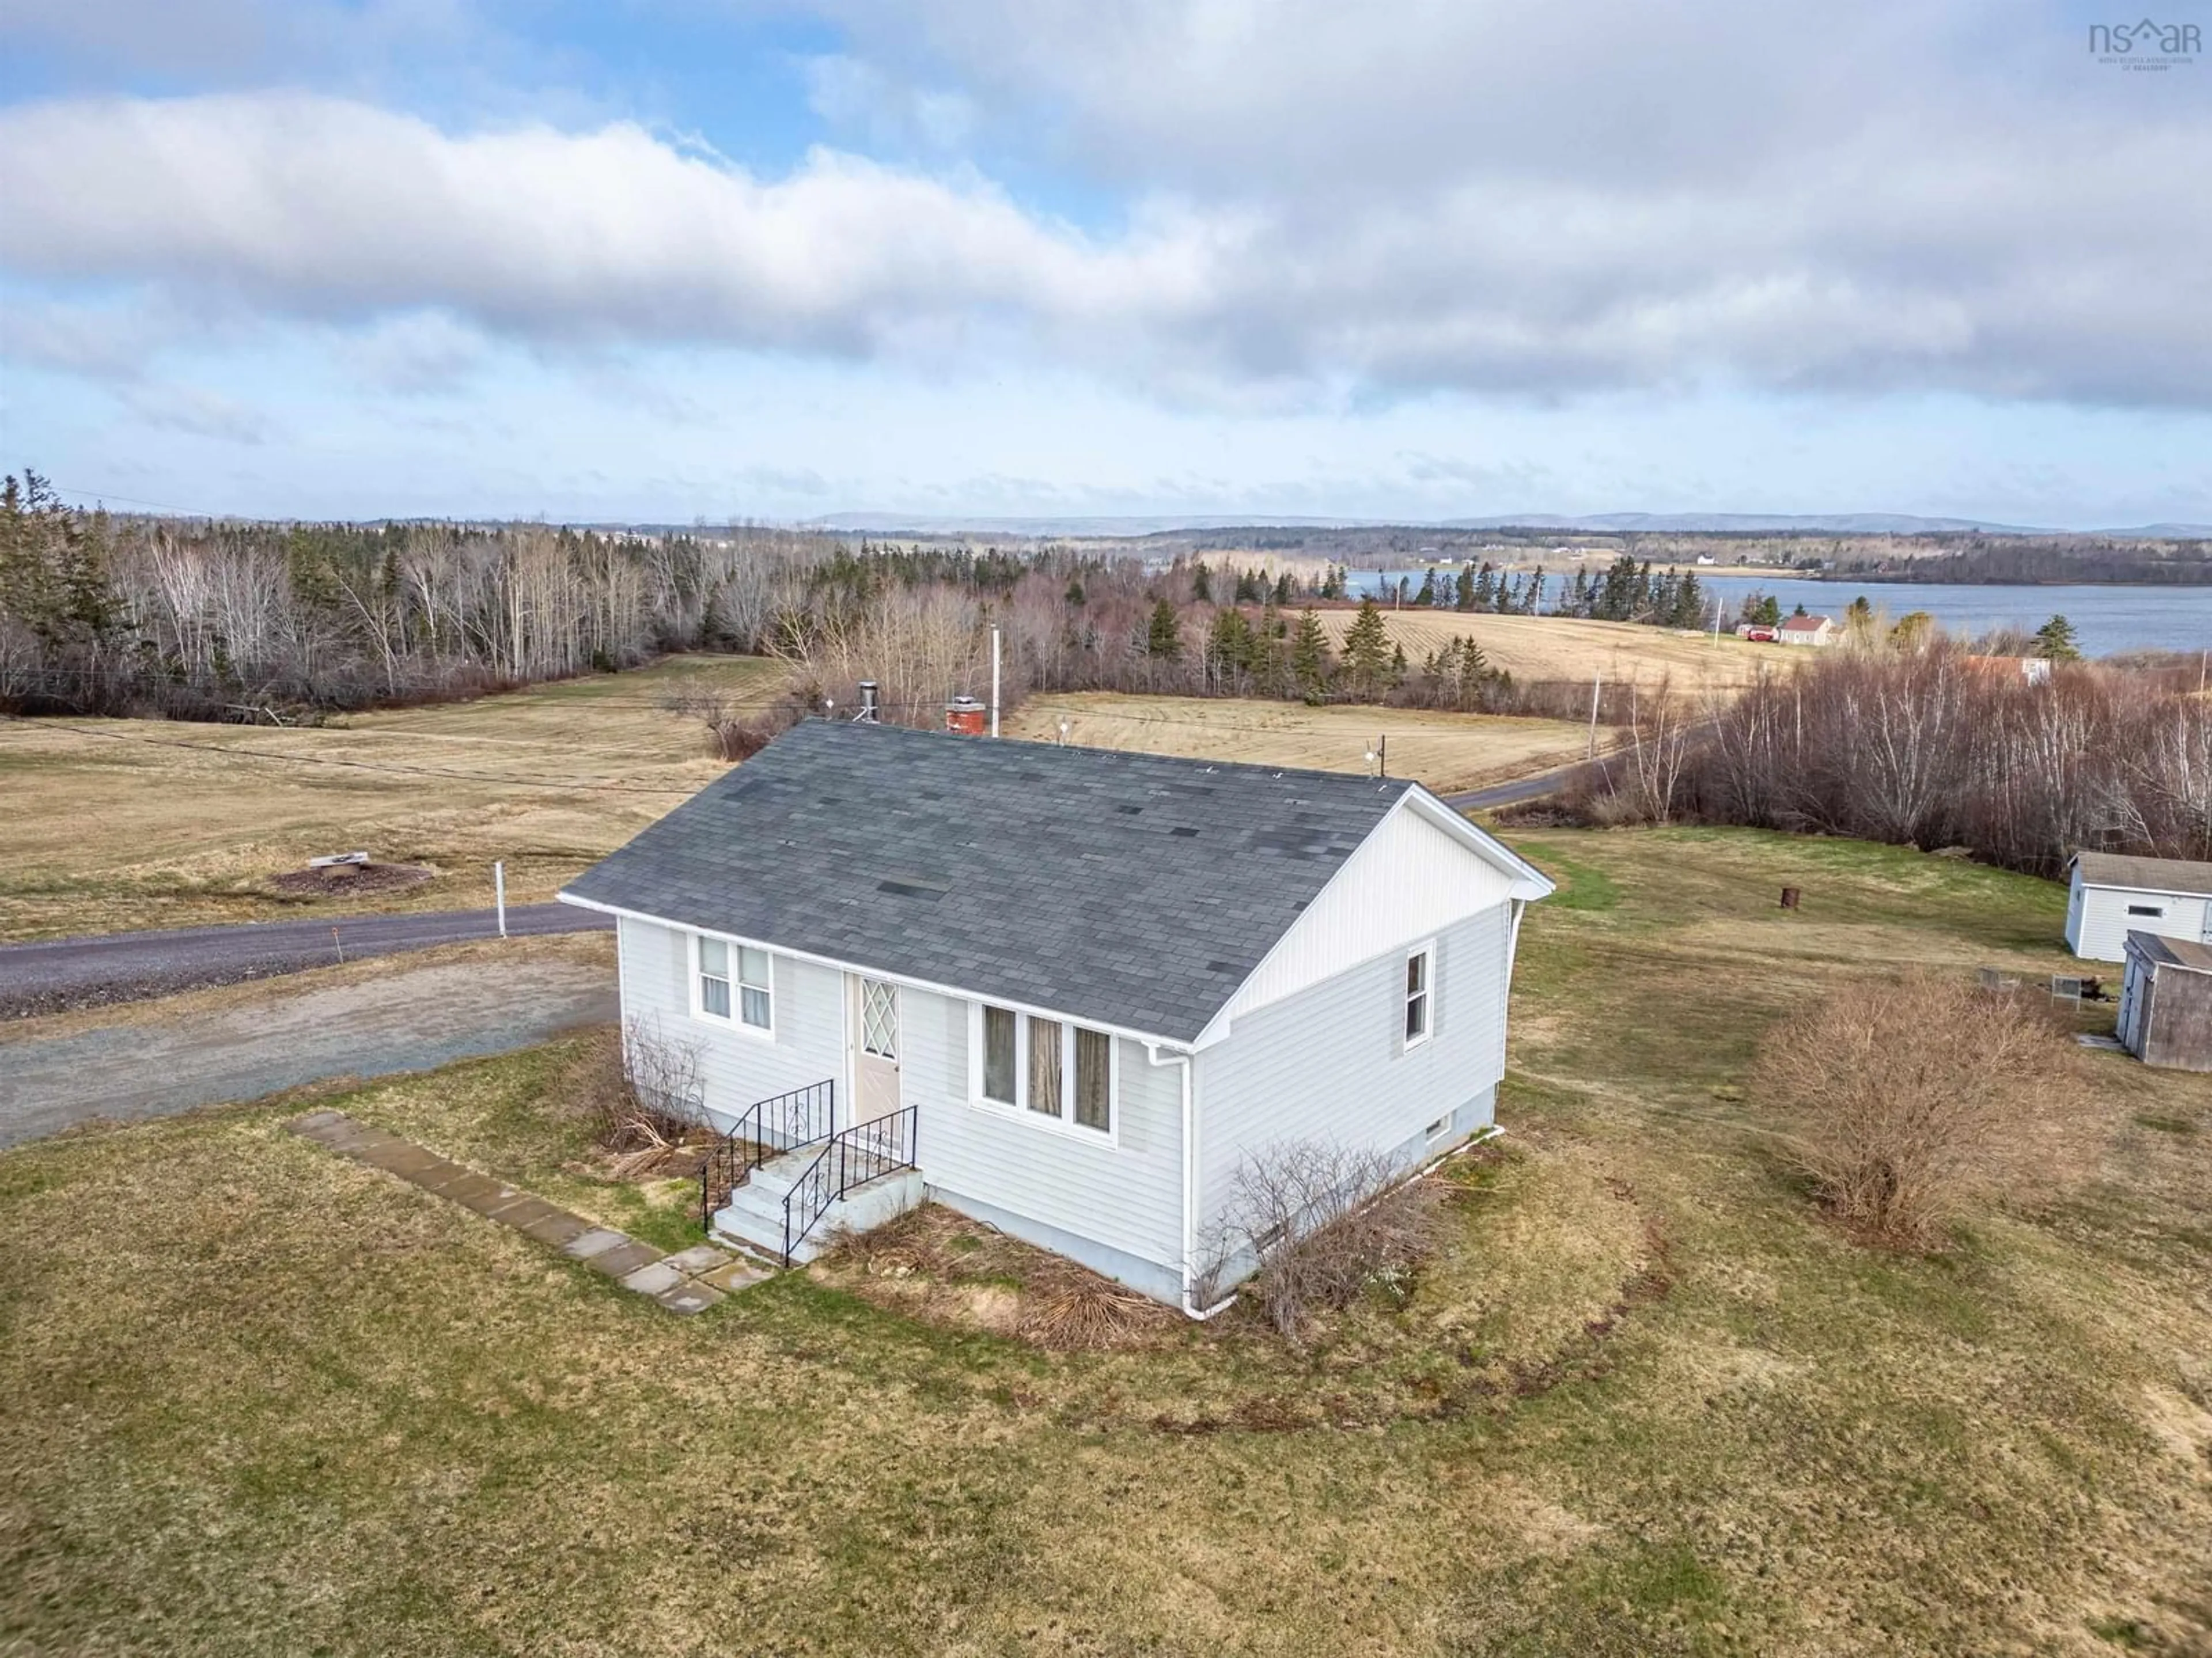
<point>1046,1069</point>
<point>732,983</point>
<point>1439,1128</point>
<point>1421,994</point>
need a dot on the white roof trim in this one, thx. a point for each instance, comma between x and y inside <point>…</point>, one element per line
<point>1528,882</point>
<point>1480,842</point>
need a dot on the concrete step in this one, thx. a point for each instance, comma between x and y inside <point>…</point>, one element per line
<point>753,1218</point>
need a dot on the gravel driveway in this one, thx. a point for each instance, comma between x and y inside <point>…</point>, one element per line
<point>403,1021</point>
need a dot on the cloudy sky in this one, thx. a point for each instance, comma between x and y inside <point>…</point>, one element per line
<point>776,259</point>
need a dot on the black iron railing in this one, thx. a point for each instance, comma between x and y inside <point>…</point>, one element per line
<point>765,1129</point>
<point>850,1158</point>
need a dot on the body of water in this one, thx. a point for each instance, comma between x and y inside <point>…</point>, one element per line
<point>2106,619</point>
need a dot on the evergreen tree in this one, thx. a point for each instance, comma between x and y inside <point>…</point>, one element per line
<point>1428,593</point>
<point>1310,665</point>
<point>1397,665</point>
<point>1485,588</point>
<point>1367,649</point>
<point>1229,646</point>
<point>1283,588</point>
<point>1074,596</point>
<point>1164,633</point>
<point>1463,589</point>
<point>2056,639</point>
<point>1201,584</point>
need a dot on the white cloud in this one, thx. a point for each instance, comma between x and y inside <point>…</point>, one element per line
<point>1317,204</point>
<point>325,207</point>
<point>194,411</point>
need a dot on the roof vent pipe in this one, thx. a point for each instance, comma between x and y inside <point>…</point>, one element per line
<point>869,706</point>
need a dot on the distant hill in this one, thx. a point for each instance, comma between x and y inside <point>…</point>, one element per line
<point>1842,524</point>
<point>1085,527</point>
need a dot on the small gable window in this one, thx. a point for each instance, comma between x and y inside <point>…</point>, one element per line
<point>1421,994</point>
<point>2146,909</point>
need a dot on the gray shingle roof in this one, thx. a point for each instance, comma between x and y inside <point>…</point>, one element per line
<point>2111,869</point>
<point>1132,889</point>
<point>2172,952</point>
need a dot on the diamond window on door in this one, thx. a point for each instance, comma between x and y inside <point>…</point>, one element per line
<point>879,1030</point>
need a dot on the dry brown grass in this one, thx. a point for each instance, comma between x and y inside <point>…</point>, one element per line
<point>110,824</point>
<point>1446,751</point>
<point>939,1264</point>
<point>1540,647</point>
<point>1910,1099</point>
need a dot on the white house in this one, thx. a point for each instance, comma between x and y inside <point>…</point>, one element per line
<point>1808,630</point>
<point>1064,991</point>
<point>2111,896</point>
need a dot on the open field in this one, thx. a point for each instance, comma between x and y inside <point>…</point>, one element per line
<point>1540,647</point>
<point>1445,750</point>
<point>262,1400</point>
<point>117,823</point>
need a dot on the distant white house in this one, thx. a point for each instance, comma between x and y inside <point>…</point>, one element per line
<point>1068,992</point>
<point>2111,896</point>
<point>1808,630</point>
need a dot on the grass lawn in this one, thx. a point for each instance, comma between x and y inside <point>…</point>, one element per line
<point>264,1399</point>
<point>1445,750</point>
<point>119,823</point>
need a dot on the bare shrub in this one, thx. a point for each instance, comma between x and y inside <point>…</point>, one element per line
<point>741,739</point>
<point>639,1092</point>
<point>1910,1099</point>
<point>1326,1224</point>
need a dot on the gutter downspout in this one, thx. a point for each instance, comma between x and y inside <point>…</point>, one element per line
<point>1190,1173</point>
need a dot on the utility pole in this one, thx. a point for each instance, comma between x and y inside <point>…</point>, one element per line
<point>1596,680</point>
<point>499,893</point>
<point>994,679</point>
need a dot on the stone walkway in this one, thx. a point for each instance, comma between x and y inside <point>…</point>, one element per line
<point>689,1281</point>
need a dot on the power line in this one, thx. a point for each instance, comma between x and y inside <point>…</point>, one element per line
<point>100,497</point>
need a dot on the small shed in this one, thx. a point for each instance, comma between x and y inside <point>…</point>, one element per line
<point>2166,1002</point>
<point>2111,896</point>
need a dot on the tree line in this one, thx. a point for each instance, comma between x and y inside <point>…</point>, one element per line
<point>1932,747</point>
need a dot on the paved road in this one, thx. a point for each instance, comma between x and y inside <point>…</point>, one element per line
<point>1506,794</point>
<point>119,967</point>
<point>411,1020</point>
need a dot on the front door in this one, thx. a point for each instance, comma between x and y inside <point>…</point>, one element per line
<point>875,1012</point>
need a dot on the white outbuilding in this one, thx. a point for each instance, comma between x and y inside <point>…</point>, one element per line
<point>2113,896</point>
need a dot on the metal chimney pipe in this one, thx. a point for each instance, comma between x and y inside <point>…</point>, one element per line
<point>869,706</point>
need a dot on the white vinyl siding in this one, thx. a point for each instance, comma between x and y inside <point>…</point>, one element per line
<point>2099,918</point>
<point>1062,1189</point>
<point>738,1065</point>
<point>1331,1062</point>
<point>1412,878</point>
<point>1122,1191</point>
